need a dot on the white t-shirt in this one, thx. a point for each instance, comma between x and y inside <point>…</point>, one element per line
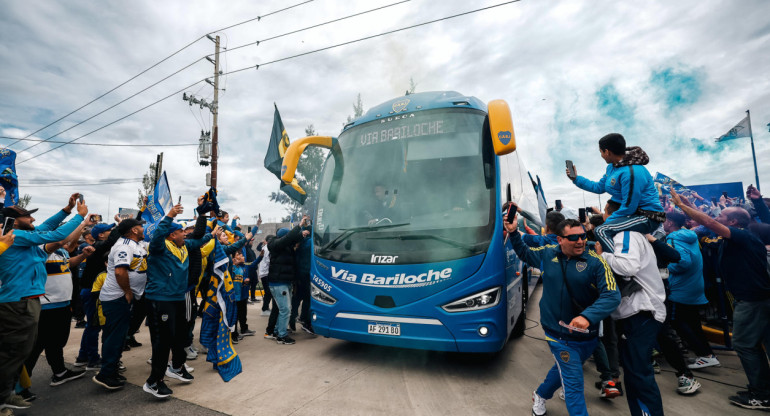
<point>132,255</point>
<point>264,266</point>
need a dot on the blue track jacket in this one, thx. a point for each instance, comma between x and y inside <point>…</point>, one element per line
<point>22,265</point>
<point>589,277</point>
<point>167,264</point>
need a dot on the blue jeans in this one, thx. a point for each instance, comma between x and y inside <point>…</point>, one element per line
<point>568,372</point>
<point>117,315</point>
<point>282,295</point>
<point>606,232</point>
<point>642,393</point>
<point>89,343</point>
<point>751,329</point>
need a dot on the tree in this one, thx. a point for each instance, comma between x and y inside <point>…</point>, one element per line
<point>358,110</point>
<point>412,86</point>
<point>24,201</point>
<point>148,185</point>
<point>309,177</point>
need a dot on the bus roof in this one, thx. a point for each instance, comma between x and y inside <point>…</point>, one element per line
<point>418,101</point>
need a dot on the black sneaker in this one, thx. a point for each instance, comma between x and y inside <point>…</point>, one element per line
<point>27,395</point>
<point>133,343</point>
<point>750,402</point>
<point>67,376</point>
<point>248,333</point>
<point>110,383</point>
<point>235,338</point>
<point>308,328</point>
<point>80,324</point>
<point>120,377</point>
<point>181,374</point>
<point>285,340</point>
<point>126,347</point>
<point>158,389</point>
<point>94,365</point>
<point>80,362</point>
<point>121,367</point>
<point>14,401</point>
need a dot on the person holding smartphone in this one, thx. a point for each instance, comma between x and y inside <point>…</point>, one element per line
<point>579,291</point>
<point>630,184</point>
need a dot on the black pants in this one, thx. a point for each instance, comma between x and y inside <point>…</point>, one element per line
<point>273,319</point>
<point>76,304</point>
<point>253,289</point>
<point>18,326</point>
<point>168,332</point>
<point>241,305</point>
<point>53,331</point>
<point>138,313</point>
<point>302,296</point>
<point>267,297</point>
<point>669,346</point>
<point>686,320</point>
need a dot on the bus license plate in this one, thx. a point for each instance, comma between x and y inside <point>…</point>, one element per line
<point>385,329</point>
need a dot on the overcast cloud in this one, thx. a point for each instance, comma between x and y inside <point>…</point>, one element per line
<point>670,76</point>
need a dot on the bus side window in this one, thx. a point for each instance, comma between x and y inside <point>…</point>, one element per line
<point>488,155</point>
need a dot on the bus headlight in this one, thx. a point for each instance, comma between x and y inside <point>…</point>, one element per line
<point>321,296</point>
<point>481,300</point>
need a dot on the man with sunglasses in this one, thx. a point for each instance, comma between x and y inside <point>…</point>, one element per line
<point>579,291</point>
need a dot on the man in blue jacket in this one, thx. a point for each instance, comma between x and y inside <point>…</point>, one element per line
<point>167,276</point>
<point>579,291</point>
<point>630,184</point>
<point>22,283</point>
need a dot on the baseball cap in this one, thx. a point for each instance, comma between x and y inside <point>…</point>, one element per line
<point>127,224</point>
<point>17,212</point>
<point>100,228</point>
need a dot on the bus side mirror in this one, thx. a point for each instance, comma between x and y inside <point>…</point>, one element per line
<point>501,127</point>
<point>293,153</point>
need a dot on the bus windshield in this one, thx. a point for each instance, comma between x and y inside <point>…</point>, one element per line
<point>413,191</point>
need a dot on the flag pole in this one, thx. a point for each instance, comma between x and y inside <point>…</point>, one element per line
<point>753,153</point>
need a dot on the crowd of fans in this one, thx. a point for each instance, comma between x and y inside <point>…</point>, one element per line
<point>634,278</point>
<point>113,279</point>
<point>618,284</point>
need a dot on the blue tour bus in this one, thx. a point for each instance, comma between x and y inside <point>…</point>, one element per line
<point>408,244</point>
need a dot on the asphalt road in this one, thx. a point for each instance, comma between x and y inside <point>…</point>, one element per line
<point>320,376</point>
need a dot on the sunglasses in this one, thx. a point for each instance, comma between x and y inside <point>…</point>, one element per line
<point>576,237</point>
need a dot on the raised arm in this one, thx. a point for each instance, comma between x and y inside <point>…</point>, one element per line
<point>34,238</point>
<point>698,216</point>
<point>533,257</point>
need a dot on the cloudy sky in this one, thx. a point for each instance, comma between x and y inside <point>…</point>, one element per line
<point>670,76</point>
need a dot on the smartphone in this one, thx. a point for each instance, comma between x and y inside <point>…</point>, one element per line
<point>8,225</point>
<point>558,205</point>
<point>259,217</point>
<point>180,200</point>
<point>574,328</point>
<point>714,199</point>
<point>582,215</point>
<point>80,198</point>
<point>511,215</point>
<point>725,194</point>
<point>98,217</point>
<point>571,169</point>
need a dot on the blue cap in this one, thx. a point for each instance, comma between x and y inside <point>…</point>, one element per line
<point>173,227</point>
<point>100,228</point>
<point>282,232</point>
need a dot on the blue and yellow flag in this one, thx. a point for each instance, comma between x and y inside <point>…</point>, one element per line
<point>158,204</point>
<point>279,142</point>
<point>8,178</point>
<point>219,316</point>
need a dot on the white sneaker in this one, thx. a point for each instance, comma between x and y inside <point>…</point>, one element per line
<point>703,362</point>
<point>687,385</point>
<point>265,313</point>
<point>191,354</point>
<point>538,405</point>
<point>186,367</point>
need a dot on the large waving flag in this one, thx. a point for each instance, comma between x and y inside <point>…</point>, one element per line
<point>159,202</point>
<point>279,142</point>
<point>219,316</point>
<point>665,183</point>
<point>8,178</point>
<point>742,129</point>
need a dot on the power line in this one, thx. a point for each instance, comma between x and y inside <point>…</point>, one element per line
<point>315,26</point>
<point>144,71</point>
<point>280,60</point>
<point>66,181</point>
<point>82,184</point>
<point>372,36</point>
<point>106,144</point>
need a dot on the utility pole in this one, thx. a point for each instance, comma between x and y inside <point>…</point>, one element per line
<point>215,110</point>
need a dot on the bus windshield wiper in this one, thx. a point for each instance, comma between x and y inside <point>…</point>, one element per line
<point>451,242</point>
<point>347,232</point>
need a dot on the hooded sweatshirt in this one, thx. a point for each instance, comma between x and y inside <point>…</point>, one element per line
<point>685,278</point>
<point>628,182</point>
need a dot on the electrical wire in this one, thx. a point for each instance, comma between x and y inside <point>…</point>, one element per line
<point>82,184</point>
<point>145,71</point>
<point>314,26</point>
<point>372,37</point>
<point>276,61</point>
<point>106,144</point>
